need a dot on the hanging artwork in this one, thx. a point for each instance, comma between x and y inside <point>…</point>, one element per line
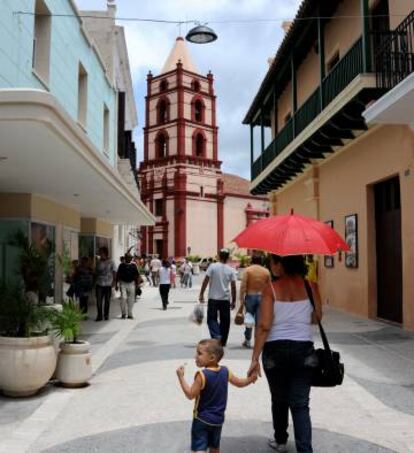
<point>351,238</point>
<point>329,260</point>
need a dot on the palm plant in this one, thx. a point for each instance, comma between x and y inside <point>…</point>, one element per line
<point>33,264</point>
<point>19,317</point>
<point>67,323</point>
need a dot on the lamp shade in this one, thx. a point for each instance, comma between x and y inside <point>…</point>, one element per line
<point>201,34</point>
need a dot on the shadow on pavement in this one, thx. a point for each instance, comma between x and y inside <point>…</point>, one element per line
<point>244,436</point>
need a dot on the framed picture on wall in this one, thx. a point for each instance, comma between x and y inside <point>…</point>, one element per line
<point>351,238</point>
<point>329,260</point>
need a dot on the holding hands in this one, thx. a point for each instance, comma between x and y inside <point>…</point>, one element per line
<point>180,371</point>
<point>254,369</point>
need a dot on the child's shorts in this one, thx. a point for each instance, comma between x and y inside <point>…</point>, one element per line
<point>204,436</point>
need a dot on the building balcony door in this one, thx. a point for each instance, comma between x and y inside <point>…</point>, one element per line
<point>388,248</point>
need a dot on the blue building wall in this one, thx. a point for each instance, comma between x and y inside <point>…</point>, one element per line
<point>69,47</point>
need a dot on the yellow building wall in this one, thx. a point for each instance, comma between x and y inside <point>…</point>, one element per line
<point>34,207</point>
<point>308,77</point>
<point>345,184</point>
<point>399,9</point>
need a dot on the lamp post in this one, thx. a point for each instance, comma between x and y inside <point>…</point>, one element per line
<point>201,34</point>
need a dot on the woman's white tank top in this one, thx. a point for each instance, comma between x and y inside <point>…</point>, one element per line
<point>291,321</point>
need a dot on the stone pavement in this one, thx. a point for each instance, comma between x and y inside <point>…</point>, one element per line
<point>134,403</point>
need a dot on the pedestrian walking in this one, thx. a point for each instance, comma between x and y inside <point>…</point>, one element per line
<point>105,279</point>
<point>165,282</point>
<point>147,271</point>
<point>83,283</point>
<point>155,267</point>
<point>284,334</point>
<point>255,278</point>
<point>69,279</point>
<point>187,274</point>
<point>220,277</point>
<point>127,280</point>
<point>209,389</point>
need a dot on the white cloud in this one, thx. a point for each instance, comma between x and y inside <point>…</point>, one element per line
<point>238,59</point>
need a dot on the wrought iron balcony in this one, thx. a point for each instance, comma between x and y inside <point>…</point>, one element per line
<point>334,83</point>
<point>394,57</point>
<point>393,61</point>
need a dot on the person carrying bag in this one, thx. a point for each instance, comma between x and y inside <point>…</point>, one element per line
<point>328,370</point>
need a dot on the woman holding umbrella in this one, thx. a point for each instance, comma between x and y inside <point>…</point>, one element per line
<point>284,332</point>
<point>284,335</point>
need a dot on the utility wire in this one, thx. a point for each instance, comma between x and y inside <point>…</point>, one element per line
<point>193,21</point>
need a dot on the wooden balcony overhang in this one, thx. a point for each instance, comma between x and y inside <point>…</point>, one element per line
<point>334,128</point>
<point>300,37</point>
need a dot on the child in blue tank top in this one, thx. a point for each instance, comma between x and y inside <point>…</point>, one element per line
<point>209,389</point>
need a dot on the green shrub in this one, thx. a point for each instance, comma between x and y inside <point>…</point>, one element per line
<point>67,323</point>
<point>19,317</point>
<point>194,258</point>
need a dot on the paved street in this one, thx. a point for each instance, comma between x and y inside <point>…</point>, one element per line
<point>134,403</point>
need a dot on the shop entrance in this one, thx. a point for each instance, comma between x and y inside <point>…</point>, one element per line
<point>388,247</point>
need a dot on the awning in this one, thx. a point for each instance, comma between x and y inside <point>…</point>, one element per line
<point>44,151</point>
<point>395,107</point>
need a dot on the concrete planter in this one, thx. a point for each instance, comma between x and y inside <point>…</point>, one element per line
<point>27,364</point>
<point>74,367</point>
<point>196,269</point>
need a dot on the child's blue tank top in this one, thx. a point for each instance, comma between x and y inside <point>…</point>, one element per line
<point>211,403</point>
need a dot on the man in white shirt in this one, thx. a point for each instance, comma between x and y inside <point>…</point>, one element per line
<point>187,269</point>
<point>220,277</point>
<point>155,266</point>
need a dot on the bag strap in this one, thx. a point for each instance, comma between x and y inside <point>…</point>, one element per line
<point>321,329</point>
<point>273,291</point>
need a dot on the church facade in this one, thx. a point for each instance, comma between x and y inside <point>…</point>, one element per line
<point>198,208</point>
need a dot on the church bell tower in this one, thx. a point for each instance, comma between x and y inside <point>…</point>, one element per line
<point>181,175</point>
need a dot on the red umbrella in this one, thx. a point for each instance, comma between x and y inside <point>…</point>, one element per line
<point>291,234</point>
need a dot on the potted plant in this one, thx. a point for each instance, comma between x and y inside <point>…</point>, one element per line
<point>244,261</point>
<point>34,263</point>
<point>74,367</point>
<point>27,356</point>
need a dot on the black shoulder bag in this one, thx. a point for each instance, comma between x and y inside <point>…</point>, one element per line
<point>329,371</point>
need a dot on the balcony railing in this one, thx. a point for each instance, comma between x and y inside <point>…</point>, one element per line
<point>343,73</point>
<point>309,110</point>
<point>394,58</point>
<point>335,82</point>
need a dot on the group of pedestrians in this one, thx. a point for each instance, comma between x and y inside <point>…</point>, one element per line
<point>106,278</point>
<point>280,302</point>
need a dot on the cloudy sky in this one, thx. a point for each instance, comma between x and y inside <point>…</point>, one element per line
<point>238,59</point>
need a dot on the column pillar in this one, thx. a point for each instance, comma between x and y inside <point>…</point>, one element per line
<point>144,245</point>
<point>164,184</point>
<point>262,141</point>
<point>151,240</point>
<point>220,214</point>
<point>273,202</point>
<point>251,149</point>
<point>321,51</point>
<point>180,110</point>
<point>312,191</point>
<point>147,116</point>
<point>180,213</point>
<point>366,38</point>
<point>294,92</point>
<point>275,114</point>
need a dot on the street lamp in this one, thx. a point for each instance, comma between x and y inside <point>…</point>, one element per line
<point>201,34</point>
